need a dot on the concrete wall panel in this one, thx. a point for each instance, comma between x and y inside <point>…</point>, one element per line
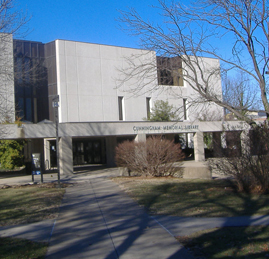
<point>71,69</point>
<point>109,104</point>
<point>70,48</point>
<point>73,108</point>
<point>110,52</point>
<point>92,72</point>
<point>88,50</point>
<point>90,108</point>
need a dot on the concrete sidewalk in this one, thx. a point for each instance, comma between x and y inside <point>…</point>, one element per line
<point>39,231</point>
<point>182,226</point>
<point>98,220</point>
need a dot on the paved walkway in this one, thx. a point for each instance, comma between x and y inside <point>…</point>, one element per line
<point>98,220</point>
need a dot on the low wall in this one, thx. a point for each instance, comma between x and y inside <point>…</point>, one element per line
<point>187,170</point>
<point>196,170</point>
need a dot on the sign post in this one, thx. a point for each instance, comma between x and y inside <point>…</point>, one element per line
<point>36,166</point>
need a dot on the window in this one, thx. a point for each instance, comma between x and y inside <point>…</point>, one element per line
<point>27,70</point>
<point>34,49</point>
<point>165,77</point>
<point>178,77</point>
<point>120,103</point>
<point>19,70</point>
<point>35,110</point>
<point>27,51</point>
<point>20,108</point>
<point>185,109</point>
<point>28,115</point>
<point>148,103</point>
<point>170,71</point>
<point>31,84</point>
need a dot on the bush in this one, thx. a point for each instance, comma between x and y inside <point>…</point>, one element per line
<point>11,154</point>
<point>155,157</point>
<point>250,169</point>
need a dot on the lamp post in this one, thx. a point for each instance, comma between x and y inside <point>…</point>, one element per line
<point>55,105</point>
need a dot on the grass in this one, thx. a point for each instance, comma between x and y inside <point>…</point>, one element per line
<point>229,242</point>
<point>206,198</point>
<point>27,204</point>
<point>13,248</point>
<point>197,198</point>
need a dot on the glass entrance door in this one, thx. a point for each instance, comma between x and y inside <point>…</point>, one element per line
<point>87,151</point>
<point>53,154</point>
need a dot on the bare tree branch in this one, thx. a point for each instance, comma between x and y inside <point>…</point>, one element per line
<point>11,22</point>
<point>191,32</point>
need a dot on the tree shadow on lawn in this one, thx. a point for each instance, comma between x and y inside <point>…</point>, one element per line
<point>27,204</point>
<point>229,242</point>
<point>216,198</point>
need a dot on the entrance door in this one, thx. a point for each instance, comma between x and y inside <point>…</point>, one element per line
<point>87,152</point>
<point>53,154</point>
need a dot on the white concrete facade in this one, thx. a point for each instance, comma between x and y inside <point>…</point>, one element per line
<point>92,89</point>
<point>7,100</point>
<point>88,78</point>
<point>86,83</point>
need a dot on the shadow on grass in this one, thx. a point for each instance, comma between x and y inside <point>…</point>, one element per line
<point>22,248</point>
<point>28,204</point>
<point>229,242</point>
<point>199,198</point>
<point>211,198</point>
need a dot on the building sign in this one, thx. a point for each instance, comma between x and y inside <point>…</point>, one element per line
<point>167,128</point>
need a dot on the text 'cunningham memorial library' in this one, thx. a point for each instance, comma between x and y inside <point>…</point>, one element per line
<point>105,94</point>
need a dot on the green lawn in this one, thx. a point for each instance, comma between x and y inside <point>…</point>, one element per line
<point>31,203</point>
<point>27,204</point>
<point>14,248</point>
<point>206,198</point>
<point>229,242</point>
<point>198,198</point>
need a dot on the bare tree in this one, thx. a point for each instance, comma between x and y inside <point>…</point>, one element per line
<point>247,162</point>
<point>195,31</point>
<point>239,93</point>
<point>11,22</point>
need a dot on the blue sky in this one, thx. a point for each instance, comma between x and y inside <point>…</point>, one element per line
<point>93,21</point>
<point>85,20</point>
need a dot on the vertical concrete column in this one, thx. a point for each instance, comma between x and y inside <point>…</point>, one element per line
<point>199,149</point>
<point>111,143</point>
<point>47,154</point>
<point>66,155</point>
<point>7,104</point>
<point>245,142</point>
<point>141,154</point>
<point>187,139</point>
<point>140,138</point>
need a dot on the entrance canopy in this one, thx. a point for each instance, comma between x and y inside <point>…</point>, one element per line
<point>75,147</point>
<point>43,130</point>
